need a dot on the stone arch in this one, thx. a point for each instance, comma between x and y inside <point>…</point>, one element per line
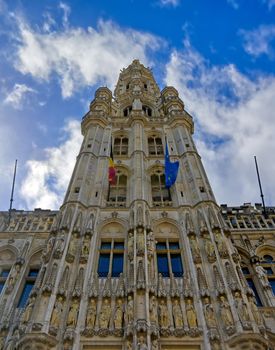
<point>114,228</point>
<point>266,249</point>
<point>167,223</point>
<point>8,254</point>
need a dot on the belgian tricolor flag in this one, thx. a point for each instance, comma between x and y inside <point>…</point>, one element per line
<point>112,169</point>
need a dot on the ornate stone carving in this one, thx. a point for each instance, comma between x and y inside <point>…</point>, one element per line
<point>129,314</point>
<point>201,222</point>
<point>162,292</point>
<point>186,286</point>
<point>63,285</point>
<point>85,250</point>
<point>107,290</point>
<point>48,287</point>
<point>174,290</point>
<point>191,314</point>
<point>48,250</point>
<point>140,275</point>
<point>141,343</point>
<point>91,314</point>
<point>153,308</point>
<point>79,283</point>
<point>13,277</point>
<point>90,225</point>
<point>94,287</point>
<point>78,224</point>
<point>220,289</point>
<point>189,224</point>
<point>256,312</point>
<point>140,241</point>
<point>130,245</point>
<point>202,283</point>
<point>231,277</point>
<point>120,290</point>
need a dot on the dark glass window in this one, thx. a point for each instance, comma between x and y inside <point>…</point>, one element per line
<point>268,270</point>
<point>111,258</point>
<point>268,258</point>
<point>245,270</point>
<point>174,245</point>
<point>161,246</point>
<point>121,146</point>
<point>176,265</point>
<point>160,193</point>
<point>1,286</point>
<point>33,273</point>
<point>252,286</point>
<point>117,266</point>
<point>155,145</point>
<point>272,284</point>
<point>25,294</point>
<point>5,273</point>
<point>103,265</point>
<point>163,265</point>
<point>118,191</point>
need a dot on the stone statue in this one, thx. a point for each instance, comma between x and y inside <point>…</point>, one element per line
<point>163,314</point>
<point>85,247</point>
<point>141,343</point>
<point>221,245</point>
<point>129,345</point>
<point>131,245</point>
<point>262,275</point>
<point>28,310</point>
<point>73,245</point>
<point>118,318</point>
<point>177,314</point>
<point>150,244</point>
<point>209,314</point>
<point>209,248</point>
<point>59,246</point>
<point>191,314</point>
<point>49,247</point>
<point>241,307</point>
<point>153,310</point>
<point>91,314</point>
<point>255,311</point>
<point>226,314</point>
<point>73,314</point>
<point>13,277</point>
<point>194,247</point>
<point>130,310</point>
<point>57,311</point>
<point>105,314</point>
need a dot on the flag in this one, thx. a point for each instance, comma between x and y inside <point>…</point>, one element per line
<point>112,170</point>
<point>171,169</point>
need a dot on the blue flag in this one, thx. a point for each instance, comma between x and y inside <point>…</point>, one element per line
<point>171,169</point>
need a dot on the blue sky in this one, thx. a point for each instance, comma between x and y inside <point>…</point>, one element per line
<point>219,54</point>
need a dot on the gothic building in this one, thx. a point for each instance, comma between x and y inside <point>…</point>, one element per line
<point>133,264</point>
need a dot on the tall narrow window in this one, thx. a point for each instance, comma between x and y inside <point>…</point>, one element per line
<point>155,145</point>
<point>30,281</point>
<point>118,191</point>
<point>251,284</point>
<point>268,264</point>
<point>3,277</point>
<point>160,193</point>
<point>121,146</point>
<point>127,111</point>
<point>169,258</point>
<point>110,258</point>
<point>147,110</point>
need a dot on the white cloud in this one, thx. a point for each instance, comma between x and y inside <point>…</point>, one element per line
<point>47,179</point>
<point>259,41</point>
<point>233,3</point>
<point>67,10</point>
<point>270,3</point>
<point>169,2</point>
<point>234,120</point>
<point>81,57</point>
<point>18,94</point>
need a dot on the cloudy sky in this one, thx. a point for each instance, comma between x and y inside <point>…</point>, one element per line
<point>219,54</point>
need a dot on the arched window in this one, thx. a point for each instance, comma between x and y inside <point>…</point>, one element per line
<point>246,270</point>
<point>147,110</point>
<point>118,191</point>
<point>155,145</point>
<point>4,274</point>
<point>127,111</point>
<point>121,145</point>
<point>28,286</point>
<point>268,264</point>
<point>160,193</point>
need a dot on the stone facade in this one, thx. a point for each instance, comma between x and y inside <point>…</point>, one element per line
<point>133,265</point>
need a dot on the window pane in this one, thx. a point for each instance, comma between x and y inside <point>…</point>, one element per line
<point>252,286</point>
<point>103,265</point>
<point>174,245</point>
<point>268,258</point>
<point>33,273</point>
<point>25,294</point>
<point>161,246</point>
<point>105,245</point>
<point>1,286</point>
<point>176,265</point>
<point>268,270</point>
<point>119,245</point>
<point>272,284</point>
<point>117,267</point>
<point>5,273</point>
<point>163,265</point>
<point>245,270</point>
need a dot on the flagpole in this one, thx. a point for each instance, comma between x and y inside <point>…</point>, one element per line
<point>260,185</point>
<point>12,190</point>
